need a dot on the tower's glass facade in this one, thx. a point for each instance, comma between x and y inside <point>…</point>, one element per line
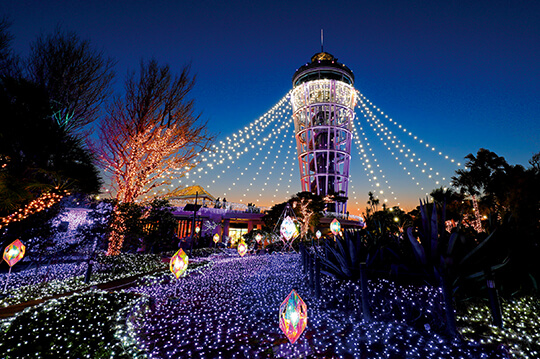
<point>323,101</point>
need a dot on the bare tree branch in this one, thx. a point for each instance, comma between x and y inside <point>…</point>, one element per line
<point>151,131</point>
<point>76,76</point>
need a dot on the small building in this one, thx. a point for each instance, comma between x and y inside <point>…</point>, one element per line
<point>213,215</point>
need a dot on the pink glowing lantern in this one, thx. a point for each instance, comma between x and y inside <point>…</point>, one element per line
<point>216,238</point>
<point>179,263</point>
<point>293,316</point>
<point>288,229</point>
<point>335,227</point>
<point>14,252</point>
<point>242,249</point>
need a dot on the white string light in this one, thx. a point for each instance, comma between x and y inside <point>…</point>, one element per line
<point>364,100</point>
<point>275,132</point>
<point>261,137</point>
<point>370,169</point>
<point>399,151</point>
<point>231,148</point>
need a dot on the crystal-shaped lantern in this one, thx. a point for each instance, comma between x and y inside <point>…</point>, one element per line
<point>335,227</point>
<point>288,229</point>
<point>258,237</point>
<point>242,249</point>
<point>179,263</point>
<point>14,252</point>
<point>318,234</point>
<point>293,316</point>
<point>216,238</point>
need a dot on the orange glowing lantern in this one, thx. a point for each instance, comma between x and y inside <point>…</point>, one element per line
<point>242,249</point>
<point>293,316</point>
<point>179,263</point>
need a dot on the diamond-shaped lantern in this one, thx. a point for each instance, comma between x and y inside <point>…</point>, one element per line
<point>318,234</point>
<point>14,252</point>
<point>288,229</point>
<point>242,249</point>
<point>293,316</point>
<point>258,237</point>
<point>179,263</point>
<point>335,227</point>
<point>216,238</point>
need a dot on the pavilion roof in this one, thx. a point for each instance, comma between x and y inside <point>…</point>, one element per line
<point>190,192</point>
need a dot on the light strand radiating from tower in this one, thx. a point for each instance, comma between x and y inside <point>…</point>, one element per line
<point>323,101</point>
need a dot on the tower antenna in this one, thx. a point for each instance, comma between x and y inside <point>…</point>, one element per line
<point>322,40</point>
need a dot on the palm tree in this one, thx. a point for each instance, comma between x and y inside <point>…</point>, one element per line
<point>449,198</point>
<point>373,202</point>
<point>475,180</point>
<point>468,185</point>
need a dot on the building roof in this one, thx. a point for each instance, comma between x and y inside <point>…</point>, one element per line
<point>323,66</point>
<point>190,192</point>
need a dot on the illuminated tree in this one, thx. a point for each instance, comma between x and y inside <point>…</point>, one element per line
<point>149,133</point>
<point>308,207</point>
<point>76,76</point>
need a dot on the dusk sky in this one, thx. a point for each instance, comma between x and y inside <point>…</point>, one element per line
<point>461,75</point>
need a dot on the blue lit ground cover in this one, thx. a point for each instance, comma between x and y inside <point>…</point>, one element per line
<point>53,279</point>
<point>230,310</point>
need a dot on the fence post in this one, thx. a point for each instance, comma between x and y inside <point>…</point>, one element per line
<point>317,277</point>
<point>311,270</point>
<point>494,302</point>
<point>88,274</point>
<point>448,307</point>
<point>364,292</point>
<point>303,257</point>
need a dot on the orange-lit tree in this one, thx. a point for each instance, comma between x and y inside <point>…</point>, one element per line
<point>151,135</point>
<point>308,207</point>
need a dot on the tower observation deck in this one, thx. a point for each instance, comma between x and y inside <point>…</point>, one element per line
<point>323,101</point>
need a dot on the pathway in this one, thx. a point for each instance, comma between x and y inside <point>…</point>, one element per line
<point>231,311</point>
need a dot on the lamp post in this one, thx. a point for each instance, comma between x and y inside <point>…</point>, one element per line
<point>12,254</point>
<point>193,207</point>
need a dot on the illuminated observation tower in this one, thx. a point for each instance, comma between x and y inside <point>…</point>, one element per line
<point>323,101</point>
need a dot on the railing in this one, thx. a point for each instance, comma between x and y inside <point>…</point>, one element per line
<point>221,207</point>
<point>350,217</point>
